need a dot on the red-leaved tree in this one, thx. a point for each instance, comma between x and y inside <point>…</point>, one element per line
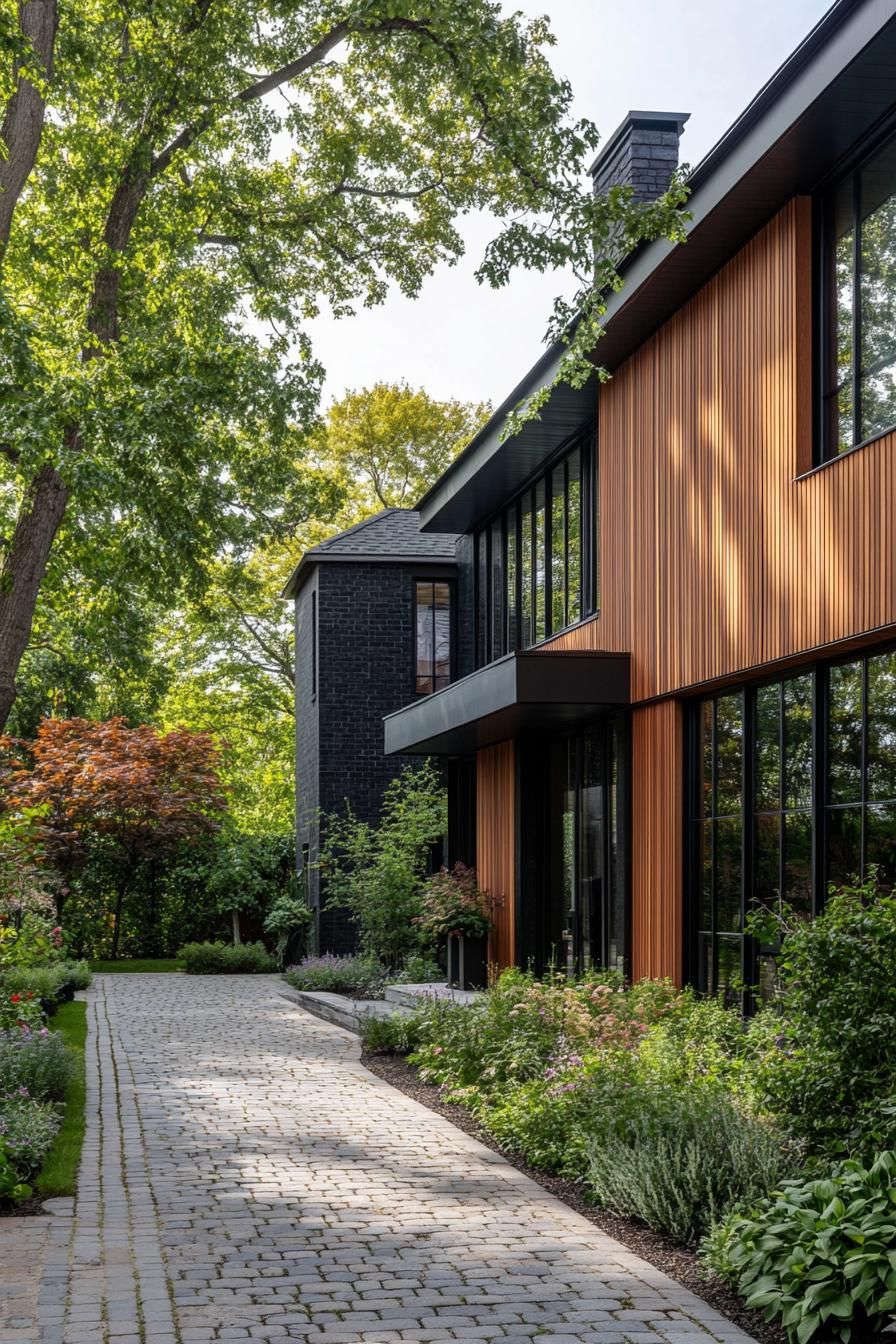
<point>139,792</point>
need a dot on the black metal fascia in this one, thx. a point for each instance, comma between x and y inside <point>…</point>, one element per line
<point>528,691</point>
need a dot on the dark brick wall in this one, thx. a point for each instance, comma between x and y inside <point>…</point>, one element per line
<point>365,669</point>
<point>307,734</point>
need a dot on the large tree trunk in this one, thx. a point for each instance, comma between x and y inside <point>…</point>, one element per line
<point>24,118</point>
<point>22,572</point>
<point>235,922</point>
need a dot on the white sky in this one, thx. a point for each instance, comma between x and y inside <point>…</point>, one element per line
<point>705,57</point>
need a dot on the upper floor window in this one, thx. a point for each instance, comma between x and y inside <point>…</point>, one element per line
<point>536,561</point>
<point>432,619</point>
<point>858,379</point>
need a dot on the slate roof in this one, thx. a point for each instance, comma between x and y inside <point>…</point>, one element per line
<point>391,535</point>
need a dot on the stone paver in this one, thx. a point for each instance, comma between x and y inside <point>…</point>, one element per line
<point>245,1178</point>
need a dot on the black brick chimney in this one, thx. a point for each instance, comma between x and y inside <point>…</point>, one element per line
<point>641,153</point>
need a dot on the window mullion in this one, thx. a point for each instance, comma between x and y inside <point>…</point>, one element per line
<point>856,310</point>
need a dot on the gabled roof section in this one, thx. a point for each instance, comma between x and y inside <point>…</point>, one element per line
<point>391,536</point>
<point>836,89</point>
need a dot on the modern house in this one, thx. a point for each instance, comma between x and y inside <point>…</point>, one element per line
<point>375,627</point>
<point>680,701</point>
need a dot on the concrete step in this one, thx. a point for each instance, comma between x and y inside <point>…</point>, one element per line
<point>411,996</point>
<point>338,1008</point>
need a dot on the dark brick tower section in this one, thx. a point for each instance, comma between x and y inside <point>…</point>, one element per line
<point>642,153</point>
<point>358,590</point>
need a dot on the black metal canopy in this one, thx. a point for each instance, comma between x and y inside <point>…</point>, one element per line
<point>531,691</point>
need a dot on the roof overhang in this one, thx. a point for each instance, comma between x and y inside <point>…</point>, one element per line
<point>534,691</point>
<point>835,89</point>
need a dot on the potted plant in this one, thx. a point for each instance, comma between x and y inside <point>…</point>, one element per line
<point>455,910</point>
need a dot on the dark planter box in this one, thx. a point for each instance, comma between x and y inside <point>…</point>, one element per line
<point>467,962</point>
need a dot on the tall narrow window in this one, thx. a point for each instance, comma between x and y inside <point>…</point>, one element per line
<point>573,538</point>
<point>433,636</point>
<point>541,571</point>
<point>496,547</point>
<point>527,571</point>
<point>859,294</point>
<point>558,547</point>
<point>512,578</point>
<point>536,563</point>
<point>718,826</point>
<point>861,774</point>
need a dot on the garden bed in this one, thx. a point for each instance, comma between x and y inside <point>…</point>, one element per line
<point>680,1264</point>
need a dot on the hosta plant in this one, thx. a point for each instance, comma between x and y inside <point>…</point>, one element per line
<point>11,1188</point>
<point>819,1256</point>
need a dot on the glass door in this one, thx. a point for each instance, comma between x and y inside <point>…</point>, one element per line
<point>587,904</point>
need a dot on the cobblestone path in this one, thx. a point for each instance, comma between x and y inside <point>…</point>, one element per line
<point>246,1178</point>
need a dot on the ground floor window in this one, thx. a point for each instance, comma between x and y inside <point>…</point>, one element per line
<point>792,787</point>
<point>587,890</point>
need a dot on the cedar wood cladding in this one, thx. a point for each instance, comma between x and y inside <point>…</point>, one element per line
<point>719,553</point>
<point>495,841</point>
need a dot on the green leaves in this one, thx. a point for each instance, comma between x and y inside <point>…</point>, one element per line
<point>817,1255</point>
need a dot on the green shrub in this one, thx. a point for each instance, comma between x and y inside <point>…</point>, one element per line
<point>41,1063</point>
<point>28,1129</point>
<point>395,1035</point>
<point>51,984</point>
<point>12,1188</point>
<point>419,970</point>
<point>824,1056</point>
<point>359,977</point>
<point>226,959</point>
<point>817,1255</point>
<point>679,1159</point>
<point>549,1120</point>
<point>377,872</point>
<point>524,1026</point>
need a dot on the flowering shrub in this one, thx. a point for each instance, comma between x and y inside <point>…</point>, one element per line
<point>20,1010</point>
<point>38,1061</point>
<point>27,1130</point>
<point>453,903</point>
<point>524,1027</point>
<point>359,977</point>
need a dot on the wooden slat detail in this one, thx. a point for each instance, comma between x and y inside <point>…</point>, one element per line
<point>496,843</point>
<point>716,556</point>
<point>656,932</point>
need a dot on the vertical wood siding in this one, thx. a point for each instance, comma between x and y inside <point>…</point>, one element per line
<point>496,843</point>
<point>716,555</point>
<point>657,919</point>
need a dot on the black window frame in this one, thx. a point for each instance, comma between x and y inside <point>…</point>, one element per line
<point>517,507</point>
<point>821,807</point>
<point>825,390</point>
<point>450,583</point>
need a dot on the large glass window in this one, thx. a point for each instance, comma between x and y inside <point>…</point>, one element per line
<point>793,788</point>
<point>432,608</point>
<point>859,304</point>
<point>536,564</point>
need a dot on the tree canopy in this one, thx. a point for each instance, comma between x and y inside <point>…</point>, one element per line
<point>181,188</point>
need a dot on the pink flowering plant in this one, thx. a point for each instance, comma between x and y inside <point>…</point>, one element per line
<point>452,902</point>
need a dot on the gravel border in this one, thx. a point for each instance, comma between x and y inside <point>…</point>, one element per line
<point>680,1264</point>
